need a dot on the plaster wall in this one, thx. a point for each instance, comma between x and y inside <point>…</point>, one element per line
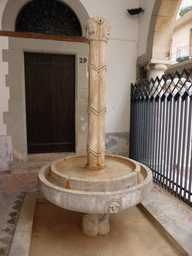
<point>4,91</point>
<point>181,32</point>
<point>121,59</point>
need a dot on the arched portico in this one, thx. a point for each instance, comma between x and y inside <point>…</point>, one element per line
<point>160,30</point>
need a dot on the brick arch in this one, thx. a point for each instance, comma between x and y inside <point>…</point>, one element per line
<point>13,7</point>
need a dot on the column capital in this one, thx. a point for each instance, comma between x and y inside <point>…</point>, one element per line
<point>98,29</point>
<point>156,68</point>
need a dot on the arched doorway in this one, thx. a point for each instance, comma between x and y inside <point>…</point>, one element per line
<point>15,118</point>
<point>49,79</point>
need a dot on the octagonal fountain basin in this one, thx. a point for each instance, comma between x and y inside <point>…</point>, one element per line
<point>68,183</point>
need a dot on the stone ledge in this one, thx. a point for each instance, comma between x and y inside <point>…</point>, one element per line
<point>170,229</point>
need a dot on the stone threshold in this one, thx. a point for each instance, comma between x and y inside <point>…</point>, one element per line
<point>34,162</point>
<point>22,237</point>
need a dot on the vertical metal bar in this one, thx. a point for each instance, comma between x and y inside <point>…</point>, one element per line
<point>134,139</point>
<point>132,130</point>
<point>148,148</point>
<point>154,133</point>
<point>156,139</point>
<point>176,143</point>
<point>190,179</point>
<point>139,132</point>
<point>170,135</point>
<point>166,138</point>
<point>184,143</point>
<point>188,174</point>
<point>150,132</point>
<point>179,151</point>
<point>136,129</point>
<point>142,130</point>
<point>145,133</point>
<point>164,121</point>
<point>173,147</point>
<point>159,139</point>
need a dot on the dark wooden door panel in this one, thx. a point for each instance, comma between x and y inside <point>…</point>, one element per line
<point>50,102</point>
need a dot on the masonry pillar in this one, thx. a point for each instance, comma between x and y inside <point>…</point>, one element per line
<point>98,31</point>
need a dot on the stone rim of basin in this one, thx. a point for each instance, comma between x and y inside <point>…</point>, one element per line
<point>118,173</point>
<point>92,201</point>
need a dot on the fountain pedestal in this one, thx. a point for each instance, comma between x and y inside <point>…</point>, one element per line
<point>95,224</point>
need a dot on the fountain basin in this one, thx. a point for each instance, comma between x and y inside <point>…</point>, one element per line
<point>121,184</point>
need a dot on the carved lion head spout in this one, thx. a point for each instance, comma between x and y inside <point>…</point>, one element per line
<point>98,28</point>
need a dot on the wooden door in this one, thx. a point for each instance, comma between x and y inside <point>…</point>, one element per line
<point>50,102</point>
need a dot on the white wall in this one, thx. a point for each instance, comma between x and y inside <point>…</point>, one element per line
<point>121,58</point>
<point>4,91</point>
<point>181,32</point>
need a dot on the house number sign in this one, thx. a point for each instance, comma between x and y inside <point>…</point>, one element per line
<point>82,60</point>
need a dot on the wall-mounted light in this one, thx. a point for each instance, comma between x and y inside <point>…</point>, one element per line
<point>135,11</point>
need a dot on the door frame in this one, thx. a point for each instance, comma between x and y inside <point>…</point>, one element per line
<point>15,118</point>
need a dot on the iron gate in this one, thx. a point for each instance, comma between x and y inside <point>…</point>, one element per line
<point>161,130</point>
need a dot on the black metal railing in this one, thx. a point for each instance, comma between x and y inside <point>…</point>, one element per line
<point>161,130</point>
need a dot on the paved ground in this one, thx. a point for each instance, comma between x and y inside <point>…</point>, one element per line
<point>14,186</point>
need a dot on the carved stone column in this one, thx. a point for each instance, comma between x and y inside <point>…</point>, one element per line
<point>98,31</point>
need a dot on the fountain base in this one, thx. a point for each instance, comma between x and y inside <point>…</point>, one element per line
<point>95,224</point>
<point>123,183</point>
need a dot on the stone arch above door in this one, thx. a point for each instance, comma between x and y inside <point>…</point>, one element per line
<point>13,7</point>
<point>48,17</point>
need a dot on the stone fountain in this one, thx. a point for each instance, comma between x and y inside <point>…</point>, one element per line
<point>96,184</point>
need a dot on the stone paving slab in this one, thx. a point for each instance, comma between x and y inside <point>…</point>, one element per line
<point>13,188</point>
<point>21,247</point>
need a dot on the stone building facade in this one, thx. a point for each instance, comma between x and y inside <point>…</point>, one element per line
<point>136,42</point>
